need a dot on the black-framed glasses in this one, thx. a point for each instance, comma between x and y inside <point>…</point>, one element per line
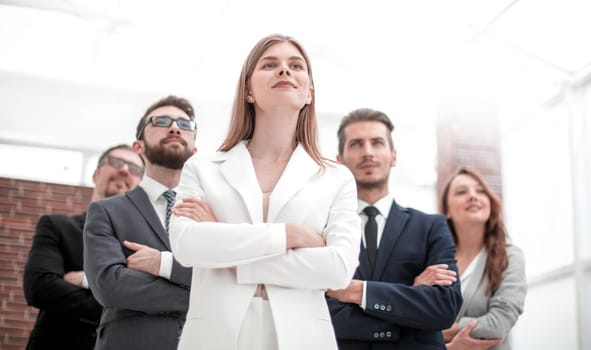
<point>117,163</point>
<point>164,121</point>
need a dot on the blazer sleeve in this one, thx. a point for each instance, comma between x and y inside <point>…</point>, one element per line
<point>113,284</point>
<point>43,282</point>
<point>228,244</point>
<point>351,322</point>
<point>506,303</point>
<point>420,307</point>
<point>331,266</point>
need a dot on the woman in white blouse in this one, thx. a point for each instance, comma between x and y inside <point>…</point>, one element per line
<point>492,272</point>
<point>287,227</point>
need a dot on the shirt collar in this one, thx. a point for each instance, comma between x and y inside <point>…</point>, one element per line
<point>383,204</point>
<point>153,188</point>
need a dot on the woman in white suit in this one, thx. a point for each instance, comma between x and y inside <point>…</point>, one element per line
<point>492,272</point>
<point>287,227</point>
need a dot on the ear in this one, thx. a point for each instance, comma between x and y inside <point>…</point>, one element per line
<point>393,158</point>
<point>138,146</point>
<point>194,149</point>
<point>310,95</point>
<point>95,175</point>
<point>339,159</point>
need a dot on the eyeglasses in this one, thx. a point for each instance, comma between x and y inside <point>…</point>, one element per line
<point>164,121</point>
<point>117,163</point>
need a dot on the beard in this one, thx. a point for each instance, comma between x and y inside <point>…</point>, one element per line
<point>165,157</point>
<point>372,184</point>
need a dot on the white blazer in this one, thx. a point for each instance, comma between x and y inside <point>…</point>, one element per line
<point>230,257</point>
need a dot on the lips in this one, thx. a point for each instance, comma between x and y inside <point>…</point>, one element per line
<point>173,139</point>
<point>368,165</point>
<point>284,84</point>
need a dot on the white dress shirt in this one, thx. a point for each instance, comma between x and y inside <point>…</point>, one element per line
<point>154,190</point>
<point>383,205</point>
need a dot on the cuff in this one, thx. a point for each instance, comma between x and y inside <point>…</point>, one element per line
<point>84,281</point>
<point>364,296</point>
<point>165,264</point>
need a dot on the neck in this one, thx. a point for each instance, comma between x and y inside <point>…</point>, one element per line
<point>168,177</point>
<point>273,137</point>
<point>372,195</point>
<point>470,238</point>
<point>96,196</point>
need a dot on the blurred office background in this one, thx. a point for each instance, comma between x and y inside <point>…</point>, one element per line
<point>501,85</point>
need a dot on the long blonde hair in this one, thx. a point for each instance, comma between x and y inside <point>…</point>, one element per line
<point>242,123</point>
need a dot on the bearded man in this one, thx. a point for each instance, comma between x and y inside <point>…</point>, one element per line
<point>127,257</point>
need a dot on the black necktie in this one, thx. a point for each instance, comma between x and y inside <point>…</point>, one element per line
<point>371,234</point>
<point>170,197</point>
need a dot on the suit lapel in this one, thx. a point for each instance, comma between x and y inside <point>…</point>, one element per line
<point>140,200</point>
<point>300,168</point>
<point>394,224</point>
<point>238,170</point>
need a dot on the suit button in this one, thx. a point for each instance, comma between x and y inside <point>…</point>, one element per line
<point>382,334</point>
<point>388,334</point>
<point>376,335</point>
<point>382,307</point>
<point>388,308</point>
<point>376,306</point>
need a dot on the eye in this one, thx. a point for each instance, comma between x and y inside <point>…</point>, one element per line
<point>355,143</point>
<point>297,66</point>
<point>378,142</point>
<point>269,65</point>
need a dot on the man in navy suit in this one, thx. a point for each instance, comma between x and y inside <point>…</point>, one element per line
<point>54,280</point>
<point>127,256</point>
<point>403,292</point>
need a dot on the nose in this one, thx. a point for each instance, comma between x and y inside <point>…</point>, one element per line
<point>284,70</point>
<point>124,169</point>
<point>174,128</point>
<point>367,150</point>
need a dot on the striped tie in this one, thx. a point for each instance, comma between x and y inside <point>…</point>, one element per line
<point>170,197</point>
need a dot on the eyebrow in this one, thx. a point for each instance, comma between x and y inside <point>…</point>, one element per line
<point>275,58</point>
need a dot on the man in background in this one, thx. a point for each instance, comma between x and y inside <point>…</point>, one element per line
<point>127,257</point>
<point>54,280</point>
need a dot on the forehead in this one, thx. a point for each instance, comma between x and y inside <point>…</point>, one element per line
<point>366,130</point>
<point>282,49</point>
<point>464,180</point>
<point>127,155</point>
<point>170,111</point>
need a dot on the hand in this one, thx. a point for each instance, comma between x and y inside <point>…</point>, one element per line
<point>74,277</point>
<point>439,275</point>
<point>450,333</point>
<point>352,294</point>
<point>194,209</point>
<point>301,236</point>
<point>463,340</point>
<point>144,259</point>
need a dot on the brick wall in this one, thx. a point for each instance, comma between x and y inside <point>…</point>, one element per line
<point>468,135</point>
<point>21,204</point>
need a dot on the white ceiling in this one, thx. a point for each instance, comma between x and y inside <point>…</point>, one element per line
<point>79,73</point>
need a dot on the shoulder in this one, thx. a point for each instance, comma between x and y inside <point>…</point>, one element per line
<point>421,215</point>
<point>336,170</point>
<point>515,255</point>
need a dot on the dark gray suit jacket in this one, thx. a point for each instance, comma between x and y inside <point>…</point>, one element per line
<point>141,311</point>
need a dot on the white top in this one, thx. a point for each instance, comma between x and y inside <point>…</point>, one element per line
<point>465,277</point>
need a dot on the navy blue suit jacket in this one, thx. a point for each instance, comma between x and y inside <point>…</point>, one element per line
<point>398,315</point>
